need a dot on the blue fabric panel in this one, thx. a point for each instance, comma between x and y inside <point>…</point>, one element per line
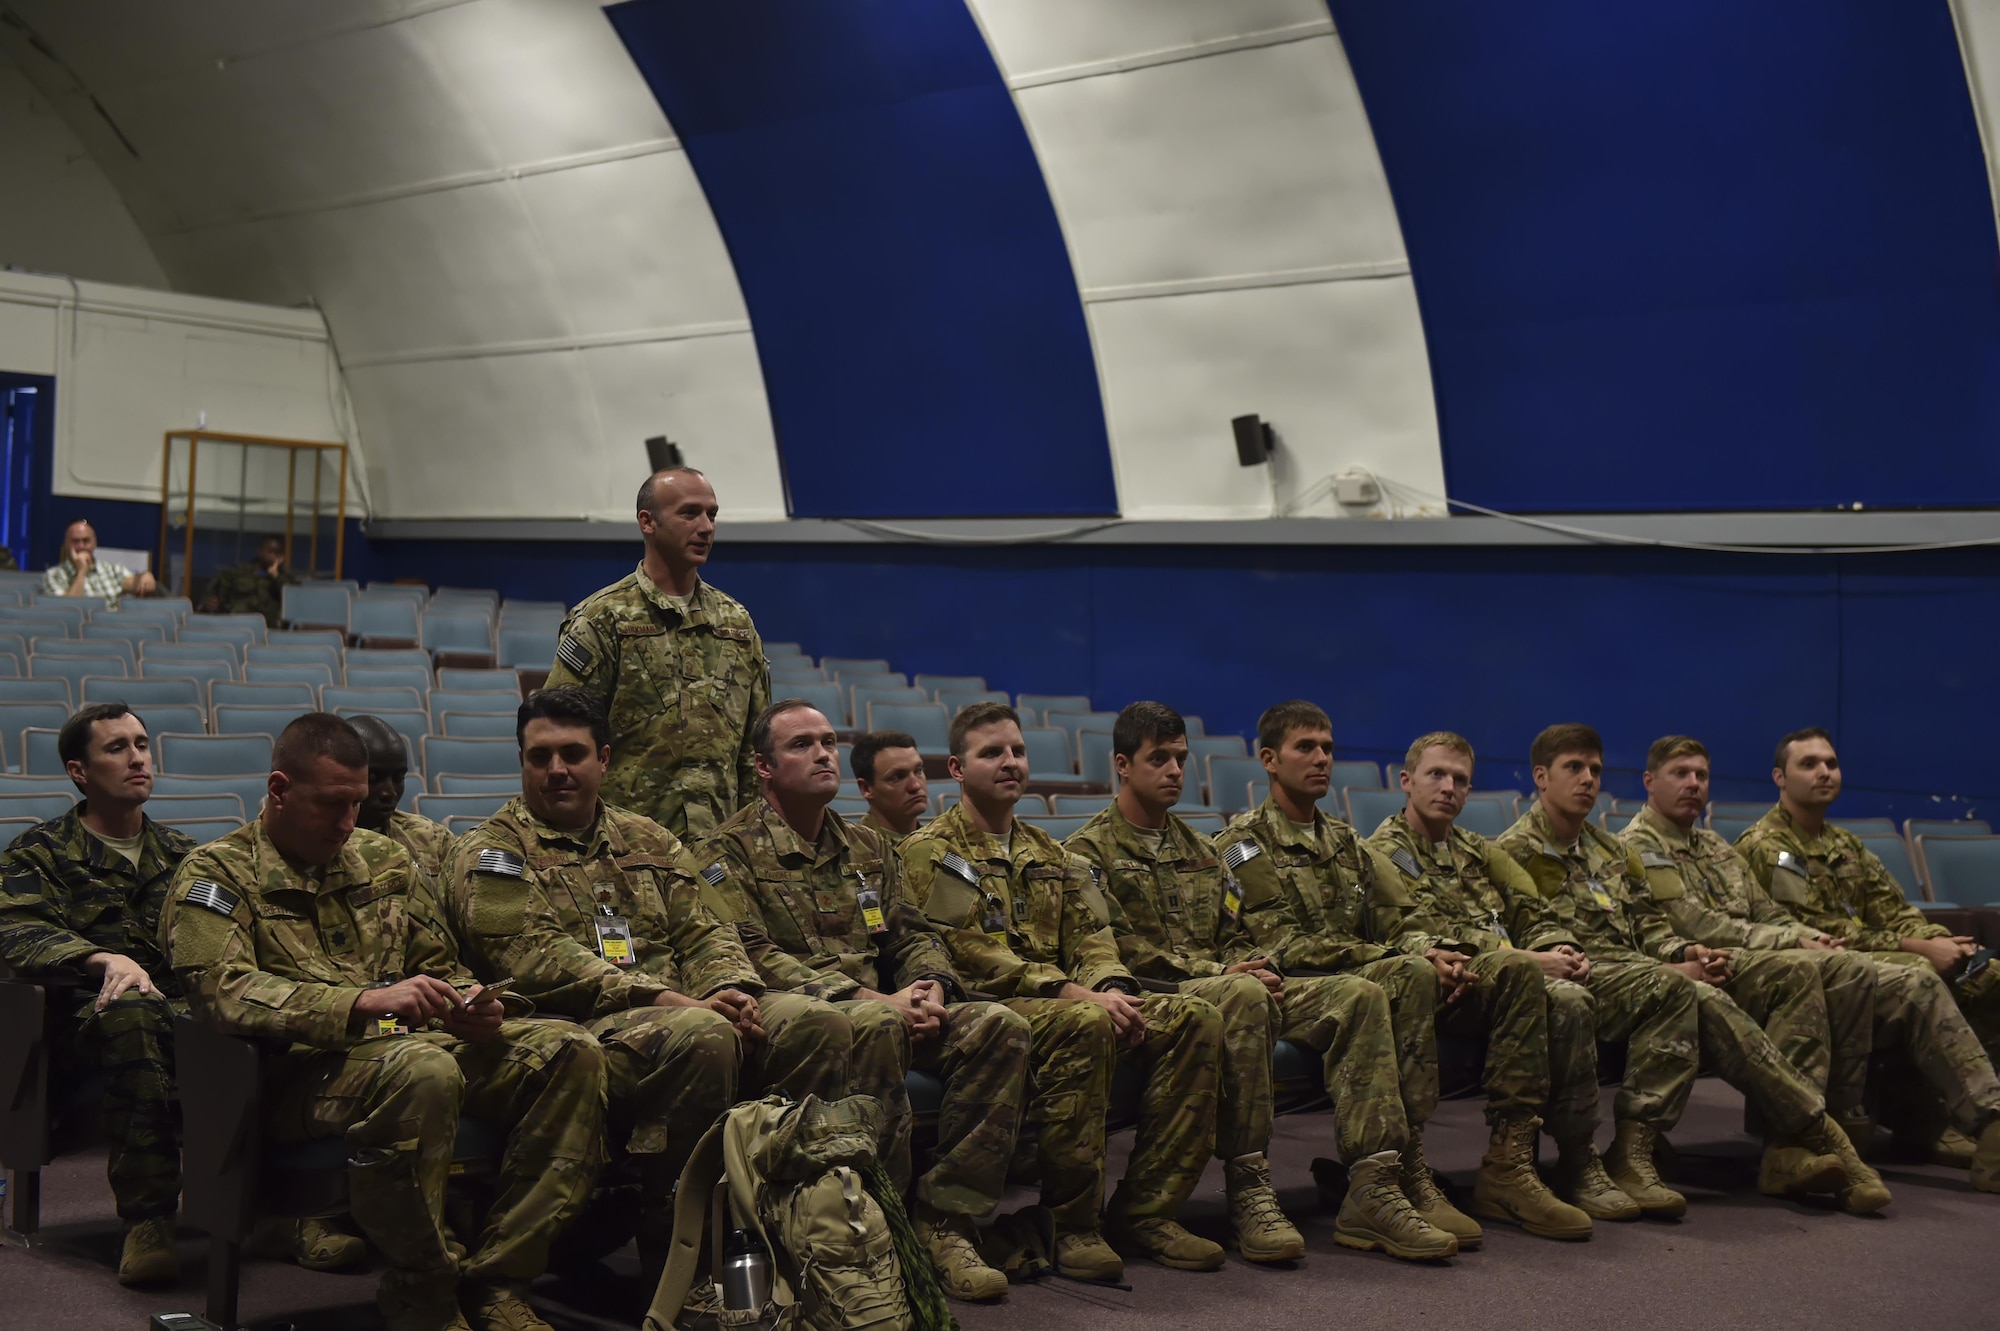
<point>1693,254</point>
<point>923,343</point>
<point>1888,652</point>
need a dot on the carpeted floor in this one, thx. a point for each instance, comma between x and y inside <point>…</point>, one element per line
<point>1738,1261</point>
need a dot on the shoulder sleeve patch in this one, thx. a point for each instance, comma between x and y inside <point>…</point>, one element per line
<point>1239,853</point>
<point>952,903</point>
<point>1653,859</point>
<point>1093,900</point>
<point>503,862</point>
<point>212,896</point>
<point>573,654</point>
<point>1403,860</point>
<point>714,873</point>
<point>954,864</point>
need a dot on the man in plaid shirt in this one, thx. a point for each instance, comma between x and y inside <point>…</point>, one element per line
<point>80,573</point>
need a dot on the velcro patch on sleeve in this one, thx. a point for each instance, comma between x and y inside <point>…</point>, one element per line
<point>1239,853</point>
<point>199,938</point>
<point>1653,859</point>
<point>955,864</point>
<point>1402,859</point>
<point>503,862</point>
<point>212,896</point>
<point>573,654</point>
<point>714,873</point>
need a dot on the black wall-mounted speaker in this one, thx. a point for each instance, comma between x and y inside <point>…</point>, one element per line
<point>1253,440</point>
<point>663,453</point>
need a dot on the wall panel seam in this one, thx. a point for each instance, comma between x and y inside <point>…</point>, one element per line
<point>1281,277</point>
<point>1173,55</point>
<point>540,345</point>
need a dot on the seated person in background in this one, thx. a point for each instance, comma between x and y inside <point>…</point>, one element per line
<point>81,573</point>
<point>890,773</point>
<point>819,904</point>
<point>1661,992</point>
<point>253,588</point>
<point>1826,878</point>
<point>595,913</point>
<point>388,770</point>
<point>1025,921</point>
<point>1177,914</point>
<point>300,931</point>
<point>1466,896</point>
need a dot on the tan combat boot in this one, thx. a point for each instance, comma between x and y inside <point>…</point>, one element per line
<point>1263,1234</point>
<point>951,1242</point>
<point>501,1306</point>
<point>1863,1192</point>
<point>1376,1214</point>
<point>1427,1198</point>
<point>318,1246</point>
<point>149,1257</point>
<point>1581,1181</point>
<point>1793,1171</point>
<point>1164,1241</point>
<point>1950,1148</point>
<point>1509,1189</point>
<point>1631,1167</point>
<point>420,1301</point>
<point>1087,1257</point>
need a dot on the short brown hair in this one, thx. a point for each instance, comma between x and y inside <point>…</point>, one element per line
<point>73,740</point>
<point>314,736</point>
<point>1669,747</point>
<point>977,716</point>
<point>1281,720</point>
<point>1569,737</point>
<point>1141,722</point>
<point>1785,745</point>
<point>862,760</point>
<point>1438,739</point>
<point>760,729</point>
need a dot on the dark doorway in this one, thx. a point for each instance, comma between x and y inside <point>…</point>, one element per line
<point>27,452</point>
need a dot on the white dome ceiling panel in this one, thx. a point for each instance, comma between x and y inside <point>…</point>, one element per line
<point>1033,37</point>
<point>633,246</point>
<point>1247,162</point>
<point>241,261</point>
<point>704,393</point>
<point>1338,369</point>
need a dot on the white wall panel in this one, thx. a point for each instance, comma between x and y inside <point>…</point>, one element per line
<point>1034,36</point>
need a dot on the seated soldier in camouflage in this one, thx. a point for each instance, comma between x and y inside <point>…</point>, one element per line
<point>1178,917</point>
<point>388,768</point>
<point>255,588</point>
<point>1026,922</point>
<point>1462,895</point>
<point>595,914</point>
<point>819,904</point>
<point>890,772</point>
<point>1824,877</point>
<point>1660,991</point>
<point>327,942</point>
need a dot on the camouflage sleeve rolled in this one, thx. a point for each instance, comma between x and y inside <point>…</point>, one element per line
<point>710,953</point>
<point>586,658</point>
<point>212,944</point>
<point>507,920</point>
<point>912,949</point>
<point>729,888</point>
<point>1531,923</point>
<point>35,933</point>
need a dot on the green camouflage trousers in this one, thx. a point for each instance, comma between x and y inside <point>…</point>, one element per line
<point>1347,1019</point>
<point>1915,1013</point>
<point>131,1045</point>
<point>1742,1055</point>
<point>668,1072</point>
<point>982,1058</point>
<point>1572,1114</point>
<point>1653,1010</point>
<point>1818,1008</point>
<point>396,1100</point>
<point>1508,1006</point>
<point>808,1049</point>
<point>1244,1107</point>
<point>1072,1050</point>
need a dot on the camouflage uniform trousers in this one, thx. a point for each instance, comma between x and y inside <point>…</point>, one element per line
<point>1828,1038</point>
<point>1742,1055</point>
<point>668,1073</point>
<point>1916,1014</point>
<point>1072,1052</point>
<point>1365,1054</point>
<point>982,1059</point>
<point>396,1101</point>
<point>808,1049</point>
<point>1653,1010</point>
<point>131,1045</point>
<point>1573,1112</point>
<point>1507,1005</point>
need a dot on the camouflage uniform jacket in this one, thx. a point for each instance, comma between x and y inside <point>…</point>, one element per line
<point>428,843</point>
<point>246,589</point>
<point>1706,887</point>
<point>796,906</point>
<point>682,677</point>
<point>1033,921</point>
<point>1596,890</point>
<point>1171,910</point>
<point>268,949</point>
<point>1833,883</point>
<point>1467,895</point>
<point>64,894</point>
<point>889,834</point>
<point>1316,898</point>
<point>524,894</point>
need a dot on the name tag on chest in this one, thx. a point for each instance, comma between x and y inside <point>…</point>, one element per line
<point>614,939</point>
<point>1600,895</point>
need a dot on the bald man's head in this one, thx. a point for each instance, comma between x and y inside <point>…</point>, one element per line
<point>677,517</point>
<point>388,769</point>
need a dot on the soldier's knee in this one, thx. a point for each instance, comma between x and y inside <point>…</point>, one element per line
<point>1192,1017</point>
<point>423,1075</point>
<point>1516,968</point>
<point>873,1020</point>
<point>1238,994</point>
<point>989,1026</point>
<point>820,1026</point>
<point>1675,991</point>
<point>1086,1026</point>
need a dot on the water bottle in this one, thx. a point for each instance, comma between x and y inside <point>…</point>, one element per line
<point>746,1272</point>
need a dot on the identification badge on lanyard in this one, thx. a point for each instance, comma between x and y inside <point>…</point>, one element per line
<point>614,937</point>
<point>1500,927</point>
<point>1600,896</point>
<point>995,922</point>
<point>870,902</point>
<point>390,1025</point>
<point>1232,898</point>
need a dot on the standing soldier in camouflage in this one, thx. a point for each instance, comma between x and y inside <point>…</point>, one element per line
<point>388,768</point>
<point>1025,921</point>
<point>1660,991</point>
<point>890,772</point>
<point>595,914</point>
<point>255,588</point>
<point>1465,896</point>
<point>676,663</point>
<point>301,931</point>
<point>820,906</point>
<point>1824,877</point>
<point>1178,916</point>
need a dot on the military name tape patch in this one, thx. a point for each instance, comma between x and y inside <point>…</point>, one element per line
<point>500,862</point>
<point>212,896</point>
<point>571,653</point>
<point>958,868</point>
<point>1402,859</point>
<point>714,873</point>
<point>1241,853</point>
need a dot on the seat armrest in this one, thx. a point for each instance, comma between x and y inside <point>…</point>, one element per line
<point>220,1083</point>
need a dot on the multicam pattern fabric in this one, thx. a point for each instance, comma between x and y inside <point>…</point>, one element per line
<point>429,843</point>
<point>246,589</point>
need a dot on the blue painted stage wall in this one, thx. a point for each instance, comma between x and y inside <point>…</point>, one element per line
<point>1892,653</point>
<point>1693,254</point>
